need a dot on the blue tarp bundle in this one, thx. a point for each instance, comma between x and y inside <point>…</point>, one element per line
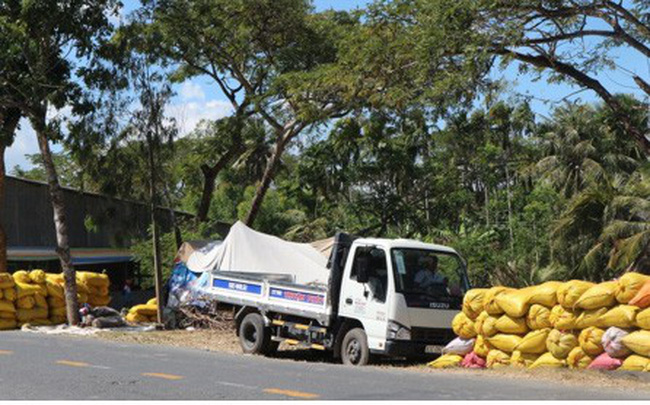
<point>187,287</point>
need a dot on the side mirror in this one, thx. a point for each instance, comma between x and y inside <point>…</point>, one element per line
<point>362,269</point>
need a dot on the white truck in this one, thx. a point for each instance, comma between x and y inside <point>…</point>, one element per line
<point>384,297</point>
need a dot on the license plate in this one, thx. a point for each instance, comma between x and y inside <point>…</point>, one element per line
<point>433,349</point>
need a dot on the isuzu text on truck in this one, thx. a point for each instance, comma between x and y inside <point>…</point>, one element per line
<point>383,297</point>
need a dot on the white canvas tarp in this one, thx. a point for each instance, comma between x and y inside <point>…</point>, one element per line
<point>246,250</point>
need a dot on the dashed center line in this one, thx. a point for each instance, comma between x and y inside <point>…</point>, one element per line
<point>6,352</point>
<point>72,363</point>
<point>164,376</point>
<point>291,393</point>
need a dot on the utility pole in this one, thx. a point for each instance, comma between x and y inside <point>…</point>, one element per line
<point>154,229</point>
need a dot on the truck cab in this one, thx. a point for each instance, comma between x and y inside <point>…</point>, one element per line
<point>404,294</point>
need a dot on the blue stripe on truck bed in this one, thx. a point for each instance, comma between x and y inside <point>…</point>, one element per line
<point>291,295</point>
<point>237,286</point>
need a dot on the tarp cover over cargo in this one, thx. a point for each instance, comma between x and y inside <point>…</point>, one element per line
<point>246,250</point>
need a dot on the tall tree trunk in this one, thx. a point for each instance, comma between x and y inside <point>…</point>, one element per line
<point>60,219</point>
<point>269,172</point>
<point>486,192</point>
<point>210,174</point>
<point>3,235</point>
<point>509,200</point>
<point>154,229</point>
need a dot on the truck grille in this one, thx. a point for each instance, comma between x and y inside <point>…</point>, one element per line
<point>436,336</point>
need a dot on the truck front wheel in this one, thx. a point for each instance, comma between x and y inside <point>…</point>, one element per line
<point>354,349</point>
<point>254,338</point>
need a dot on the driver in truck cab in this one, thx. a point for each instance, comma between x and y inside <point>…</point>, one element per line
<point>428,278</point>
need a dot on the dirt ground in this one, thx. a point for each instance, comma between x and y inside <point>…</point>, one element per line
<point>226,341</point>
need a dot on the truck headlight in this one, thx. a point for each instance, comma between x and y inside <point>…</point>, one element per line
<point>397,331</point>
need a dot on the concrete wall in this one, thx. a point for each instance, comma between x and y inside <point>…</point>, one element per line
<point>29,220</point>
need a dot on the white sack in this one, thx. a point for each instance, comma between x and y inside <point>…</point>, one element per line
<point>612,343</point>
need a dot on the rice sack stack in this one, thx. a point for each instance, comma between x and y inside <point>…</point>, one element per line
<point>7,302</point>
<point>96,287</point>
<point>145,313</point>
<point>31,297</point>
<point>56,298</point>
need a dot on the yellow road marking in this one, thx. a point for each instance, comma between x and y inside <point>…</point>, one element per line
<point>6,352</point>
<point>291,393</point>
<point>164,376</point>
<point>72,363</point>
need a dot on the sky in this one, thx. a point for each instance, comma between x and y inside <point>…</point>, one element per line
<point>199,99</point>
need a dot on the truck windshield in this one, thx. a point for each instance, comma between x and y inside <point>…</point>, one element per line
<point>427,272</point>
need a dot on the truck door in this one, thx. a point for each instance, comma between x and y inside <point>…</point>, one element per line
<point>367,300</point>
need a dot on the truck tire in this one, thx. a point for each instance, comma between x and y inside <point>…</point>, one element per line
<point>354,350</point>
<point>254,337</point>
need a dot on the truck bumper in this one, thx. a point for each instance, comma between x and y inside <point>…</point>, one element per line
<point>407,348</point>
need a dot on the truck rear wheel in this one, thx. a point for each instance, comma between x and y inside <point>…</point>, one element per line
<point>254,337</point>
<point>354,349</point>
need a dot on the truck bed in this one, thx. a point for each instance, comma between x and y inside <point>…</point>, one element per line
<point>271,293</point>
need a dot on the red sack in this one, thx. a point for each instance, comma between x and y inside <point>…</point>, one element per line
<point>605,362</point>
<point>473,360</point>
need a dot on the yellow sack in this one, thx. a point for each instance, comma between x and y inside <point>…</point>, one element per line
<point>6,281</point>
<point>82,288</point>
<point>514,303</point>
<point>521,359</point>
<point>497,359</point>
<point>9,294</point>
<point>485,325</point>
<point>590,341</point>
<point>562,318</point>
<point>538,317</point>
<point>472,302</point>
<point>505,343</point>
<point>7,324</point>
<point>461,324</point>
<point>7,306</point>
<point>54,289</point>
<point>94,279</point>
<point>55,302</point>
<point>578,359</point>
<point>560,344</point>
<point>7,315</point>
<point>482,347</point>
<point>40,301</point>
<point>40,322</point>
<point>446,361</point>
<point>98,301</point>
<point>599,296</point>
<point>151,310</point>
<point>643,319</point>
<point>26,302</point>
<point>544,294</point>
<point>99,291</point>
<point>2,295</point>
<point>635,363</point>
<point>82,298</point>
<point>638,342</point>
<point>23,289</point>
<point>628,286</point>
<point>569,293</point>
<point>58,311</point>
<point>21,276</point>
<point>547,360</point>
<point>154,301</point>
<point>516,326</point>
<point>489,300</point>
<point>136,318</point>
<point>622,316</point>
<point>534,342</point>
<point>37,276</point>
<point>26,315</point>
<point>589,318</point>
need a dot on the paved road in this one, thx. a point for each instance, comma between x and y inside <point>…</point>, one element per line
<point>58,367</point>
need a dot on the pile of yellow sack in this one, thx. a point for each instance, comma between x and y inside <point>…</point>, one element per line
<point>575,324</point>
<point>38,298</point>
<point>95,286</point>
<point>143,313</point>
<point>7,302</point>
<point>31,297</point>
